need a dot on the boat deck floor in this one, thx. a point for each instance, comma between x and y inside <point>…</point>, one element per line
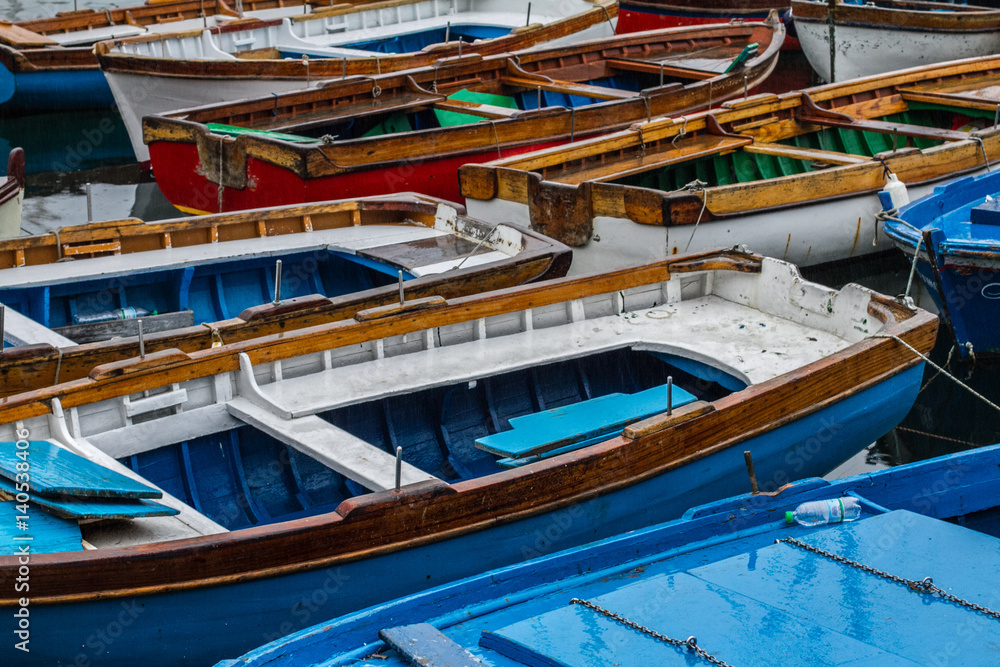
<point>725,332</point>
<point>506,19</point>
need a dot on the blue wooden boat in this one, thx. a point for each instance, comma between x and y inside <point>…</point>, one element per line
<point>729,577</point>
<point>956,231</point>
<point>93,282</point>
<point>321,470</point>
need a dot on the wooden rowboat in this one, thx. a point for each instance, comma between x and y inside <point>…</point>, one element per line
<point>888,35</point>
<point>411,131</point>
<point>954,233</point>
<point>530,418</point>
<point>159,73</point>
<point>640,15</point>
<point>213,279</point>
<point>793,176</point>
<point>726,575</point>
<point>12,194</point>
<point>48,64</point>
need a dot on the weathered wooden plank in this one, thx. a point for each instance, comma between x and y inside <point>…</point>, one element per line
<point>22,38</point>
<point>97,331</point>
<point>43,532</point>
<point>807,154</point>
<point>58,471</point>
<point>79,509</point>
<point>648,67</point>
<point>333,447</point>
<point>551,429</point>
<point>423,644</point>
<point>570,88</point>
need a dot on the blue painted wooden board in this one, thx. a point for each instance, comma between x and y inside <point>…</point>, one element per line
<point>58,471</point>
<point>790,605</point>
<point>551,429</point>
<point>423,644</point>
<point>95,508</point>
<point>49,534</point>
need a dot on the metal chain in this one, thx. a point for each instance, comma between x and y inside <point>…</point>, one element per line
<point>924,586</point>
<point>691,644</point>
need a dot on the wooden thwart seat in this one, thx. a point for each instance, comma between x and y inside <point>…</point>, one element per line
<point>653,158</point>
<point>335,448</point>
<point>569,88</point>
<point>949,99</point>
<point>812,114</point>
<point>807,154</point>
<point>423,644</point>
<point>475,109</point>
<point>650,67</point>
<point>545,431</point>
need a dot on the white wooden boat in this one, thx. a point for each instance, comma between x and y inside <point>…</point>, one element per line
<point>889,35</point>
<point>794,176</point>
<point>160,73</point>
<point>12,195</point>
<point>276,454</point>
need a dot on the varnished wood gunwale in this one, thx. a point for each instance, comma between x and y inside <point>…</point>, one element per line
<point>385,522</point>
<point>724,9</point>
<point>326,68</point>
<point>891,15</point>
<point>587,60</point>
<point>34,367</point>
<point>766,118</point>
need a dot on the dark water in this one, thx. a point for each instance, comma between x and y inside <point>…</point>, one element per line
<point>67,151</point>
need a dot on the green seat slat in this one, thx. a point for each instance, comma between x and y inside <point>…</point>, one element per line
<point>394,124</point>
<point>723,174</point>
<point>852,142</point>
<point>767,165</point>
<point>234,131</point>
<point>745,167</point>
<point>452,118</point>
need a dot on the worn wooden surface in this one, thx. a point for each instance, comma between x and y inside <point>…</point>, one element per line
<point>24,369</point>
<point>560,69</point>
<point>762,122</point>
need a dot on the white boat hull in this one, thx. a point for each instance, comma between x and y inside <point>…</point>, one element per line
<point>866,51</point>
<point>10,216</point>
<point>803,235</point>
<point>139,95</point>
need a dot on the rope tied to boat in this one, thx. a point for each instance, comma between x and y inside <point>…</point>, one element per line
<point>690,644</point>
<point>939,368</point>
<point>880,218</point>
<point>695,186</point>
<point>216,336</point>
<point>924,586</point>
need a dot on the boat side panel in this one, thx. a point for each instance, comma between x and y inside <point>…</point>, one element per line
<point>865,51</point>
<point>228,620</point>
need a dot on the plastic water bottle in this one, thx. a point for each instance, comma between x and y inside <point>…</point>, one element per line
<point>819,512</point>
<point>127,313</point>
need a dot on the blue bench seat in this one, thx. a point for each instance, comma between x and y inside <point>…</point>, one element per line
<point>578,423</point>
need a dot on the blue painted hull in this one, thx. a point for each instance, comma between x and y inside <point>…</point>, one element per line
<point>961,487</point>
<point>56,90</point>
<point>202,625</point>
<point>966,257</point>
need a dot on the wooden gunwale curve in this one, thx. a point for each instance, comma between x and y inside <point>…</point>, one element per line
<point>315,160</point>
<point>540,259</point>
<point>334,67</point>
<point>438,510</point>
